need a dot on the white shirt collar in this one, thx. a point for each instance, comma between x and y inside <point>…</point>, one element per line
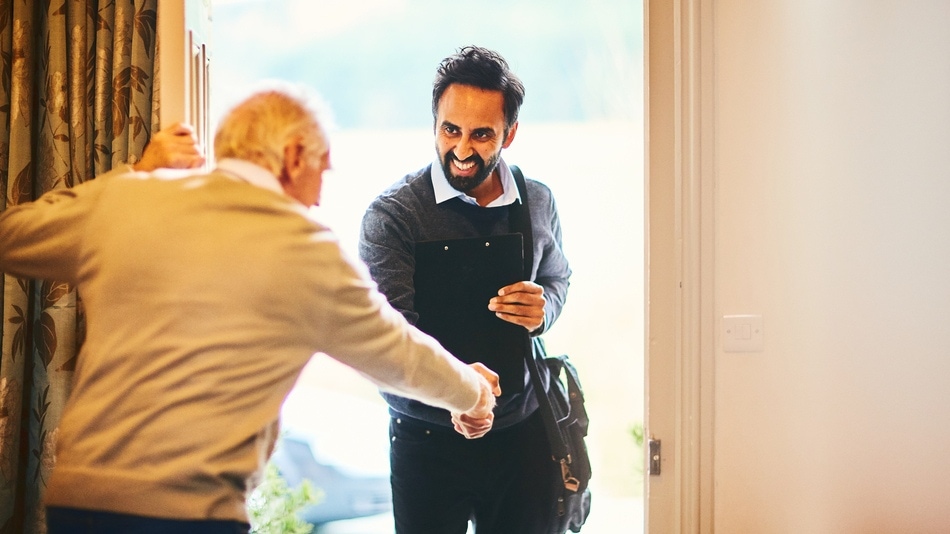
<point>444,191</point>
<point>251,173</point>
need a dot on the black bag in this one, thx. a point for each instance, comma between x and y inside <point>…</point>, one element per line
<point>560,401</point>
<point>565,398</point>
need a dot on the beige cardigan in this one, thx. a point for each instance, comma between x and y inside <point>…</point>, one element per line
<point>205,296</point>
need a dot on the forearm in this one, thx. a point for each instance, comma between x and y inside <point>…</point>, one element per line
<point>554,271</point>
<point>376,340</point>
<point>555,295</point>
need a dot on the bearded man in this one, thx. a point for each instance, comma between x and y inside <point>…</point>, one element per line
<point>440,480</point>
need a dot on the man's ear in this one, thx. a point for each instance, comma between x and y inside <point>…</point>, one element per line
<point>293,160</point>
<point>511,135</point>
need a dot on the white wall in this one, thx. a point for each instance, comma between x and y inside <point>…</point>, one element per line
<point>832,170</point>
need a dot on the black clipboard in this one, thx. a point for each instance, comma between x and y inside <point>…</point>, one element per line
<point>454,280</point>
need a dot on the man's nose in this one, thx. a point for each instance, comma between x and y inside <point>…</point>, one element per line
<point>463,149</point>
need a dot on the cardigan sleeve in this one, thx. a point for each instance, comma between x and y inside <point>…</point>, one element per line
<point>42,239</point>
<point>369,335</point>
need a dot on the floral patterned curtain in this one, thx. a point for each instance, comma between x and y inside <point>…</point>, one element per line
<point>76,98</point>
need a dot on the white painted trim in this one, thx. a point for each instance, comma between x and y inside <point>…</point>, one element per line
<point>184,28</point>
<point>680,333</point>
<point>171,62</point>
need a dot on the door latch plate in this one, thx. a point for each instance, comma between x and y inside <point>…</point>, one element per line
<point>654,445</point>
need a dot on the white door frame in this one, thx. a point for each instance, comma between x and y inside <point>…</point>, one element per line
<point>184,66</point>
<point>680,311</point>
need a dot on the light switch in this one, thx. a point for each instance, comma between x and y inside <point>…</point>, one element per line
<point>742,333</point>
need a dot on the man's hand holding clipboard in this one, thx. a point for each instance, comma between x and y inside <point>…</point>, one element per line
<point>521,303</point>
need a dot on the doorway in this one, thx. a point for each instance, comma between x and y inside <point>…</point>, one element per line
<point>581,133</point>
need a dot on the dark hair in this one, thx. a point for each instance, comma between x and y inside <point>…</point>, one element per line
<point>482,68</point>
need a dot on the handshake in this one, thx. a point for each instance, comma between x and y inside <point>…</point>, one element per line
<point>477,421</point>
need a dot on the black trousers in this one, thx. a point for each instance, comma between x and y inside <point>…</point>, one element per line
<point>440,480</point>
<point>74,521</point>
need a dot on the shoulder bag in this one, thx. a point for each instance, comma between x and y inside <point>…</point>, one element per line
<point>561,402</point>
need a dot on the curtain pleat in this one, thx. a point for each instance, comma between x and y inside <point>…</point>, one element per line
<point>75,100</point>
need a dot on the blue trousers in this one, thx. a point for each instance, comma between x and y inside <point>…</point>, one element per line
<point>74,521</point>
<point>440,480</point>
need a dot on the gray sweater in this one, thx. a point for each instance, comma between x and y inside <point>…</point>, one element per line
<point>407,213</point>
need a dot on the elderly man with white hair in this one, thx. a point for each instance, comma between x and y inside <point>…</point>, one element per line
<point>206,294</point>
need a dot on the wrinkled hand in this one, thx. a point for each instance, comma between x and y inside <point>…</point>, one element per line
<point>476,422</point>
<point>175,146</point>
<point>520,303</point>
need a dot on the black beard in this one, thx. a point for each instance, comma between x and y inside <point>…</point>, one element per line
<point>467,183</point>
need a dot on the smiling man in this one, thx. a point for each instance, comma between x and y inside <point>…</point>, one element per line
<point>440,479</point>
<point>469,135</point>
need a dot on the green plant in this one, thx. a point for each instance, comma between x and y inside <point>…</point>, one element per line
<point>637,431</point>
<point>273,505</point>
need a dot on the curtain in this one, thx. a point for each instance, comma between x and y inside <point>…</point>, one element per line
<point>76,99</point>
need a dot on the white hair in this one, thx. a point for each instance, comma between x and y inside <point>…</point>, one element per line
<point>258,128</point>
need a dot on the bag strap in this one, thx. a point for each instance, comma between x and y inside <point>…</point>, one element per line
<point>520,221</point>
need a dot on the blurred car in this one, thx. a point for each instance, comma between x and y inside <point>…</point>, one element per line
<point>340,443</point>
